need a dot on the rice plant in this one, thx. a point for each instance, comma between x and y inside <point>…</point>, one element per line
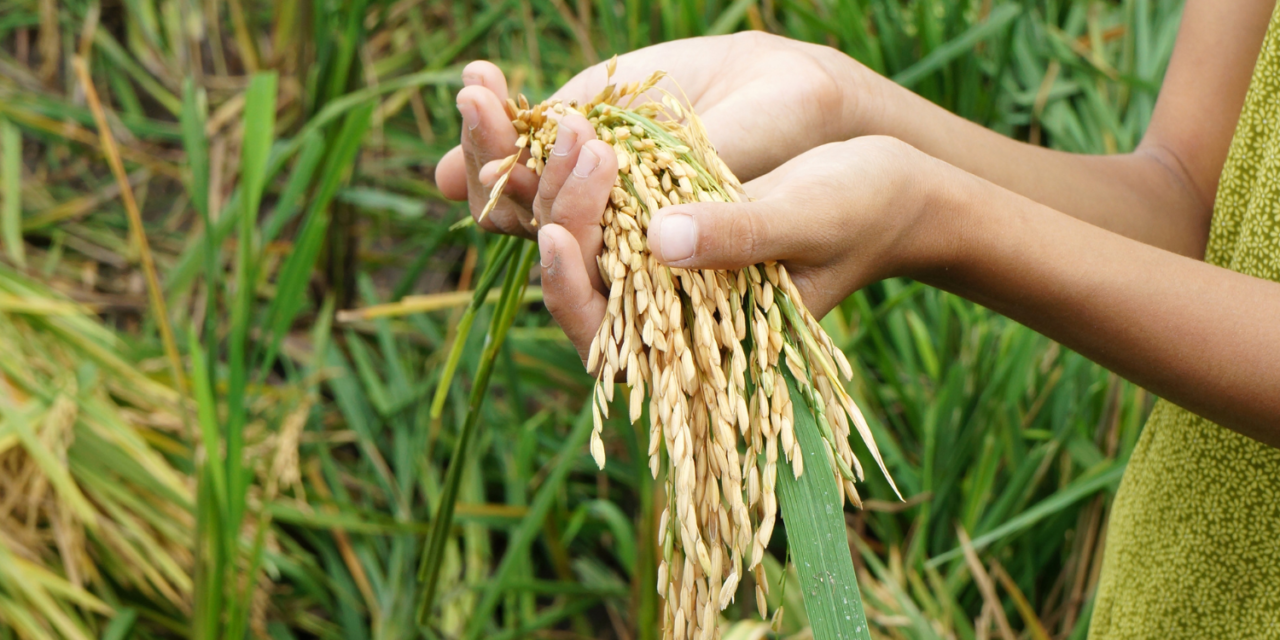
<point>257,434</point>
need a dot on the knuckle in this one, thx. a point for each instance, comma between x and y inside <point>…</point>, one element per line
<point>544,201</point>
<point>745,236</point>
<point>821,94</point>
<point>488,224</point>
<point>826,95</point>
<point>500,220</point>
<point>510,226</point>
<point>755,38</point>
<point>553,302</point>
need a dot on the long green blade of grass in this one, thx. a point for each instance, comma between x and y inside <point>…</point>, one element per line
<point>11,180</point>
<point>1000,18</point>
<point>1077,490</point>
<point>813,513</point>
<point>196,145</point>
<point>259,131</point>
<point>291,283</point>
<point>211,497</point>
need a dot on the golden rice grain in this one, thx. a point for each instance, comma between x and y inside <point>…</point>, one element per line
<point>705,346</point>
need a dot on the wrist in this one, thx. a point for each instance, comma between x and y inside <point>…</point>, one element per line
<point>867,96</point>
<point>861,94</point>
<point>954,216</point>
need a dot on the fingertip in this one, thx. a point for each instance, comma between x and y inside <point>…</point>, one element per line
<point>602,166</point>
<point>451,175</point>
<point>485,74</point>
<point>475,95</point>
<point>673,234</point>
<point>579,124</point>
<point>551,241</point>
<point>487,131</point>
<point>489,172</point>
<point>566,288</point>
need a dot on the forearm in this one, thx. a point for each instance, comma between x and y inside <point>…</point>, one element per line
<point>1162,194</point>
<point>1199,335</point>
<point>1142,195</point>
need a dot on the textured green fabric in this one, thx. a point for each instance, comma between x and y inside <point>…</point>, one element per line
<point>1193,548</point>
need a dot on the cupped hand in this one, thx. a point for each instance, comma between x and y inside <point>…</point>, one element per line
<point>763,99</point>
<point>838,217</point>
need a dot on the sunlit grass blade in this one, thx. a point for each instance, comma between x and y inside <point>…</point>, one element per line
<point>11,180</point>
<point>291,283</point>
<point>138,233</point>
<point>259,131</point>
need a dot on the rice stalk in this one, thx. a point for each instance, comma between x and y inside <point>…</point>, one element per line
<point>87,503</point>
<point>138,232</point>
<point>707,348</point>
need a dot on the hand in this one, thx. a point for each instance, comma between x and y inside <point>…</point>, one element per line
<point>764,99</point>
<point>839,217</point>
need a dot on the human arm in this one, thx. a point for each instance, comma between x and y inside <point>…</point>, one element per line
<point>1105,306</point>
<point>766,99</point>
<point>1162,193</point>
<point>848,214</point>
<point>1198,335</point>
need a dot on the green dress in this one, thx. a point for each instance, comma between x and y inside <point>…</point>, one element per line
<point>1193,548</point>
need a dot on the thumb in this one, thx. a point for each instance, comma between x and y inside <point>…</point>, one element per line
<point>718,235</point>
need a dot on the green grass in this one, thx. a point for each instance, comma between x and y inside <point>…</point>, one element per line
<point>319,453</point>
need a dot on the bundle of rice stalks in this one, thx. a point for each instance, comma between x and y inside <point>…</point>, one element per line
<point>708,348</point>
<point>87,500</point>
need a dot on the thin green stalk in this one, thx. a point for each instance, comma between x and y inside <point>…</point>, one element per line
<point>259,130</point>
<point>11,181</point>
<point>210,502</point>
<point>503,316</point>
<point>502,250</point>
<point>1078,490</point>
<point>196,146</point>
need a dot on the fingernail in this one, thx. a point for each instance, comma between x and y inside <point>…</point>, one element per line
<point>469,116</point>
<point>546,256</point>
<point>587,162</point>
<point>679,236</point>
<point>564,141</point>
<point>469,79</point>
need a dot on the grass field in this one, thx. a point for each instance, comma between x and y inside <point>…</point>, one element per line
<point>229,289</point>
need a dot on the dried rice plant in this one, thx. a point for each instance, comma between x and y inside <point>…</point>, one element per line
<point>707,347</point>
<point>85,492</point>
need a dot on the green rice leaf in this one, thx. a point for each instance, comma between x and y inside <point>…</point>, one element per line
<point>11,181</point>
<point>814,516</point>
